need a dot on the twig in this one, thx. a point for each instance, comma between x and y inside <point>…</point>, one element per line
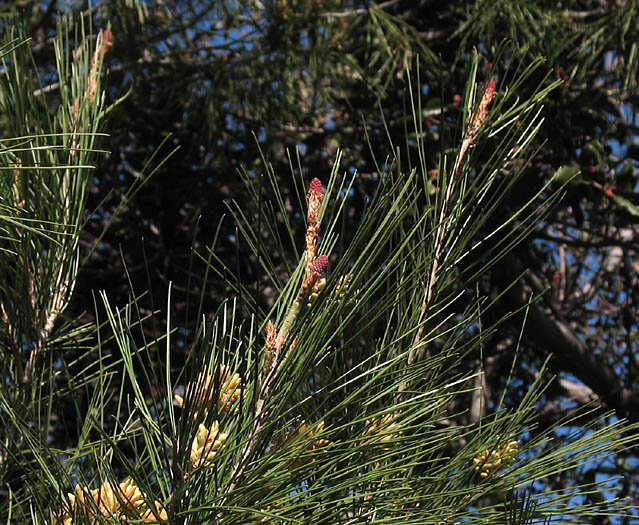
<point>360,11</point>
<point>314,267</point>
<point>442,228</point>
<point>46,89</point>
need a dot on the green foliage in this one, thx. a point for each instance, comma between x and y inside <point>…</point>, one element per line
<point>341,390</point>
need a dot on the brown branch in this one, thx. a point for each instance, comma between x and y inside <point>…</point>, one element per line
<point>549,333</point>
<point>578,392</point>
<point>602,242</point>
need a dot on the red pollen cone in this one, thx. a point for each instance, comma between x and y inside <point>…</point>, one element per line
<point>316,186</point>
<point>320,264</point>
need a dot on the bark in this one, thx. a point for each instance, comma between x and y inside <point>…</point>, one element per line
<point>547,333</point>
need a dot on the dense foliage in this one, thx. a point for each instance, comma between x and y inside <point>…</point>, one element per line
<point>474,252</point>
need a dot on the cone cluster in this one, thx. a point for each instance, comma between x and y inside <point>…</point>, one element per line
<point>305,431</point>
<point>202,391</point>
<point>206,444</point>
<point>489,461</point>
<point>124,502</point>
<point>382,429</point>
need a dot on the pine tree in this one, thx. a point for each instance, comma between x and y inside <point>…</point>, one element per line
<point>340,403</point>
